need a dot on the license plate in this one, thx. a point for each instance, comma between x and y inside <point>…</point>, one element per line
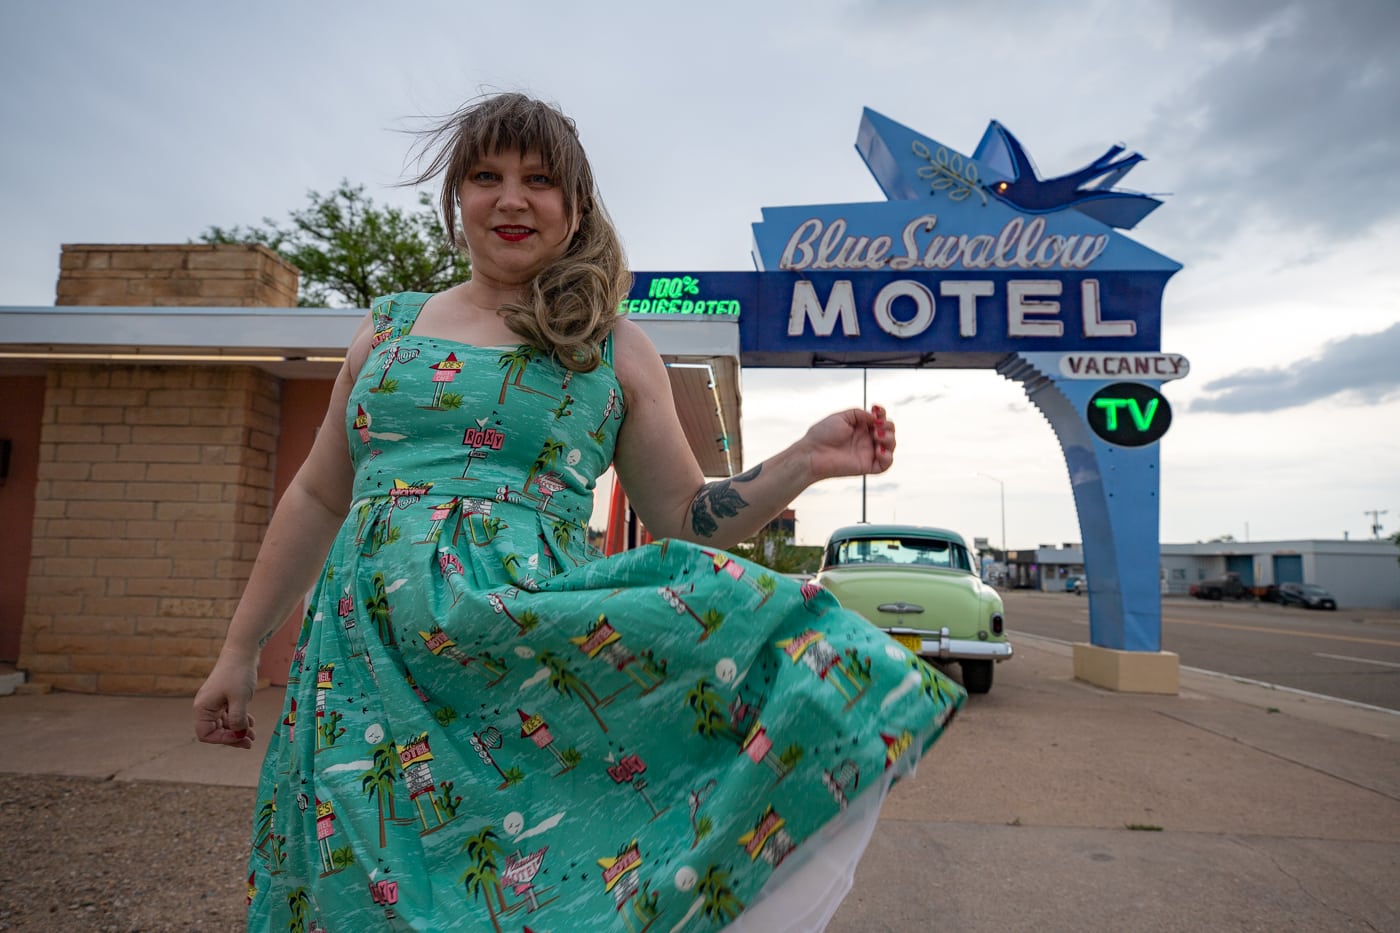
<point>913,642</point>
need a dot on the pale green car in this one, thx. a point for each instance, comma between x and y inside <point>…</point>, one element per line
<point>918,584</point>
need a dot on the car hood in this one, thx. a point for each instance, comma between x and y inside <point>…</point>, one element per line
<point>948,597</point>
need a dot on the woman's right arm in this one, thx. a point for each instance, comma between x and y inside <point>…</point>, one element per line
<point>289,560</point>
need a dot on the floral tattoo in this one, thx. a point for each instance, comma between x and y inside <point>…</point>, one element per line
<point>718,500</point>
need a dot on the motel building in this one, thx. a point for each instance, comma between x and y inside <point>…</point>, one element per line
<point>150,420</point>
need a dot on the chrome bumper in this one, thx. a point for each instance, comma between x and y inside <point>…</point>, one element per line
<point>940,645</point>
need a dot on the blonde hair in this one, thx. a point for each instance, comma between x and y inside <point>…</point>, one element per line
<point>572,305</point>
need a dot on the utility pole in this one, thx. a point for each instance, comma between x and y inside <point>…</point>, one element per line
<point>1376,521</point>
<point>1003,512</point>
<point>865,405</point>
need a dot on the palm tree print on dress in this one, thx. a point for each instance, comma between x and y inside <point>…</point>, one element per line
<point>566,683</point>
<point>545,483</point>
<point>300,907</point>
<point>515,362</point>
<point>381,782</point>
<point>719,900</point>
<point>441,645</point>
<point>377,604</point>
<point>482,879</point>
<point>603,642</point>
<point>263,826</point>
<point>562,531</point>
<point>711,720</point>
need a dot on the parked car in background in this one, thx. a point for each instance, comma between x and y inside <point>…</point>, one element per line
<point>918,585</point>
<point>1308,595</point>
<point>1228,586</point>
<point>1081,586</point>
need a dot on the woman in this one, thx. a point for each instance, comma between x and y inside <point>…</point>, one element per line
<point>487,724</point>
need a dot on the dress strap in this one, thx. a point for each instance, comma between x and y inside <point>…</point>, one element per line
<point>394,315</point>
<point>608,348</point>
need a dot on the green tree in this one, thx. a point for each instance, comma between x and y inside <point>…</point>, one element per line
<point>777,553</point>
<point>350,250</point>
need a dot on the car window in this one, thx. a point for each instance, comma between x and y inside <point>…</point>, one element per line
<point>918,552</point>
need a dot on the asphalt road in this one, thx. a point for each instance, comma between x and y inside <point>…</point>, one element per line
<point>1350,654</point>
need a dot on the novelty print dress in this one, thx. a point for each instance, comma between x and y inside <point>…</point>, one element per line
<point>490,726</point>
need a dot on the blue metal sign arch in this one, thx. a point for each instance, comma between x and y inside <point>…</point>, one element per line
<point>975,261</point>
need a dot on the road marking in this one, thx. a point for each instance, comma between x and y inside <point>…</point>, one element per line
<point>1284,631</point>
<point>1342,657</point>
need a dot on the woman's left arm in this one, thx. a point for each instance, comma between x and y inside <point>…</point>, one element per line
<point>662,480</point>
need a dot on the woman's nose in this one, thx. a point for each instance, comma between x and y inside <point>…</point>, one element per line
<point>511,195</point>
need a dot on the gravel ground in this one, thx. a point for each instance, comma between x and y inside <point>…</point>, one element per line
<point>122,857</point>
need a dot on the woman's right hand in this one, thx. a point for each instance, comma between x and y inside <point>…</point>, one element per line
<point>221,714</point>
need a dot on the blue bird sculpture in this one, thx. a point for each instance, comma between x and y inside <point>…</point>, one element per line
<point>1088,190</point>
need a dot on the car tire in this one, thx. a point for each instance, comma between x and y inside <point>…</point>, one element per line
<point>976,675</point>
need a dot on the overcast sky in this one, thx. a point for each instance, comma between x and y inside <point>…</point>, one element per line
<point>1271,128</point>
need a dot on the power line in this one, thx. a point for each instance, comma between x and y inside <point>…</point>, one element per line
<point>1376,521</point>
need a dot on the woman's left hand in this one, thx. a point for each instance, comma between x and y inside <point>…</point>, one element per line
<point>851,443</point>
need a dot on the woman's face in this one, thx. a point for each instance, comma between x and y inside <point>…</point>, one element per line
<point>513,217</point>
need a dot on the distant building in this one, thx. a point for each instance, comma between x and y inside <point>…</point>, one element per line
<point>1358,573</point>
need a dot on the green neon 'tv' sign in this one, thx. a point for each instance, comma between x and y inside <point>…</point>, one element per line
<point>1129,414</point>
<point>1143,419</point>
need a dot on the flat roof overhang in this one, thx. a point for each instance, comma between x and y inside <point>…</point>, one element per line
<point>701,354</point>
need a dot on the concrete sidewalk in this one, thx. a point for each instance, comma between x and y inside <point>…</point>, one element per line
<point>1049,805</point>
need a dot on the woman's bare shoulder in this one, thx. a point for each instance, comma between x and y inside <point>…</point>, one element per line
<point>634,355</point>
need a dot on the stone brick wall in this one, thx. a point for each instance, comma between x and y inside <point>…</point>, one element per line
<point>155,483</point>
<point>155,486</point>
<point>196,275</point>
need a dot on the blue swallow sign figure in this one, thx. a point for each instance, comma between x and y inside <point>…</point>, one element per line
<point>969,255</point>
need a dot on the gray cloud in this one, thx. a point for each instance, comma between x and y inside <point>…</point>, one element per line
<point>1362,366</point>
<point>1293,121</point>
<point>924,399</point>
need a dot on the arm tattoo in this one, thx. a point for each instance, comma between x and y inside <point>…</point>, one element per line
<point>718,500</point>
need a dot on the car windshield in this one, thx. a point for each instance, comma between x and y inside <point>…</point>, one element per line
<point>1312,589</point>
<point>915,552</point>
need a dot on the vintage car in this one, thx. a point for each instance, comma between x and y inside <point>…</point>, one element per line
<point>918,585</point>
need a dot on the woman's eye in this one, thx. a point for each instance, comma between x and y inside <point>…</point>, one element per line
<point>541,180</point>
<point>483,177</point>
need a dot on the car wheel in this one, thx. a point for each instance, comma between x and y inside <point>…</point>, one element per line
<point>976,675</point>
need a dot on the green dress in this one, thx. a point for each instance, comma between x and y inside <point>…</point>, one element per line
<point>490,726</point>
